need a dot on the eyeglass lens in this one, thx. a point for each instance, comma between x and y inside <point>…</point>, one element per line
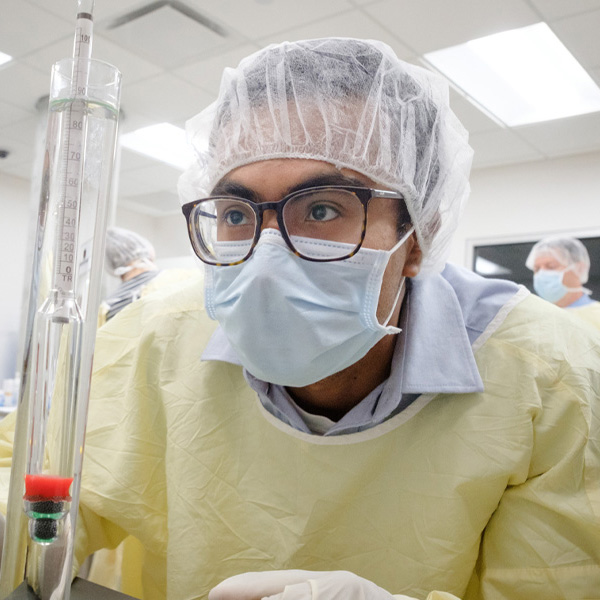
<point>225,227</point>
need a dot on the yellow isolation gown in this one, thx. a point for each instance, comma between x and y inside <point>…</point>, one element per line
<point>589,313</point>
<point>491,495</point>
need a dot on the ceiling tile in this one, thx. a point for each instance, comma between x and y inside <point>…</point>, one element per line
<point>256,19</point>
<point>131,161</point>
<point>23,131</point>
<point>10,114</point>
<point>130,120</point>
<point>157,177</point>
<point>581,35</point>
<point>353,23</point>
<point>164,98</point>
<point>565,136</point>
<point>103,9</point>
<point>129,185</point>
<point>500,147</point>
<point>22,85</point>
<point>133,68</point>
<point>29,28</point>
<point>469,115</point>
<point>166,37</point>
<point>556,9</point>
<point>156,204</point>
<point>45,57</point>
<point>429,25</point>
<point>207,73</point>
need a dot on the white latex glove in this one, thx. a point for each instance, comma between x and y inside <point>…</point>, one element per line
<point>300,585</point>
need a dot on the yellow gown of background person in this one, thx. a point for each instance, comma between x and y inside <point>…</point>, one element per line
<point>484,495</point>
<point>120,568</point>
<point>165,278</point>
<point>589,313</point>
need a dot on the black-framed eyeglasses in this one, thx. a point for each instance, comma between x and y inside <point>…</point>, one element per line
<point>320,224</point>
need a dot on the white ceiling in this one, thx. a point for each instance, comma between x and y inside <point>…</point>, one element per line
<point>171,65</point>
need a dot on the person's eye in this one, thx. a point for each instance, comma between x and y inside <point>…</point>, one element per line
<point>235,217</point>
<point>322,212</point>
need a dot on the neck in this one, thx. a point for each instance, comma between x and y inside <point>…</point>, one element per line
<point>339,393</point>
<point>131,274</point>
<point>569,298</point>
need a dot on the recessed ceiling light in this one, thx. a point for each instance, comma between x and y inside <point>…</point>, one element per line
<point>4,58</point>
<point>520,76</point>
<point>163,142</point>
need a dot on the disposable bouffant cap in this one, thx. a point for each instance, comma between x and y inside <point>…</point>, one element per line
<point>348,102</point>
<point>570,252</point>
<point>126,249</point>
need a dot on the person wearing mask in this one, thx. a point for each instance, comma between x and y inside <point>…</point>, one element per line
<point>130,257</point>
<point>561,266</point>
<point>341,414</point>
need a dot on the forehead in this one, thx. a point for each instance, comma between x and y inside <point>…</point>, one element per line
<point>275,177</point>
<point>548,259</point>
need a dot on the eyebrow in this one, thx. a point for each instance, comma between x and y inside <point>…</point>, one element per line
<point>227,187</point>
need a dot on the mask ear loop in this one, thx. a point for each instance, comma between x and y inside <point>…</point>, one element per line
<point>574,289</point>
<point>570,289</point>
<point>402,283</point>
<point>400,288</point>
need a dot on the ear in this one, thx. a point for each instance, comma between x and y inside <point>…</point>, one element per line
<point>579,268</point>
<point>412,264</point>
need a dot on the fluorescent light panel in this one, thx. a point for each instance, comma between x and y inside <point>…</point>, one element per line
<point>163,142</point>
<point>4,58</point>
<point>521,76</point>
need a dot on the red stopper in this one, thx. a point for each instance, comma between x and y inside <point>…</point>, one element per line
<point>47,487</point>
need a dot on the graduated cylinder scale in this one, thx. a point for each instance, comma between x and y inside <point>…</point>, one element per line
<point>61,322</point>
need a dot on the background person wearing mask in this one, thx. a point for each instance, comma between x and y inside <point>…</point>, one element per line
<point>130,257</point>
<point>342,415</point>
<point>561,266</point>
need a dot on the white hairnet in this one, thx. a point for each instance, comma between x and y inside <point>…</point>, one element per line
<point>126,250</point>
<point>567,250</point>
<point>348,102</point>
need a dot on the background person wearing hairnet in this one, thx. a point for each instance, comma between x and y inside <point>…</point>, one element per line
<point>129,256</point>
<point>342,415</point>
<point>561,265</point>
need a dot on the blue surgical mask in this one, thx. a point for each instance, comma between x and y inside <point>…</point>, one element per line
<point>549,286</point>
<point>294,322</point>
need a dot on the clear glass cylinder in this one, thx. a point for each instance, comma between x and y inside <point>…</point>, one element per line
<point>60,327</point>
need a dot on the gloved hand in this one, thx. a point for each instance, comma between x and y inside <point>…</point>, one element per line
<point>300,585</point>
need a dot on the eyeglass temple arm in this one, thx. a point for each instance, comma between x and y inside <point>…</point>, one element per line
<point>387,194</point>
<point>205,214</point>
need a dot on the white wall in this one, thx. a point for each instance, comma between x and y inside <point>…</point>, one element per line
<point>14,229</point>
<point>168,234</point>
<point>528,201</point>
